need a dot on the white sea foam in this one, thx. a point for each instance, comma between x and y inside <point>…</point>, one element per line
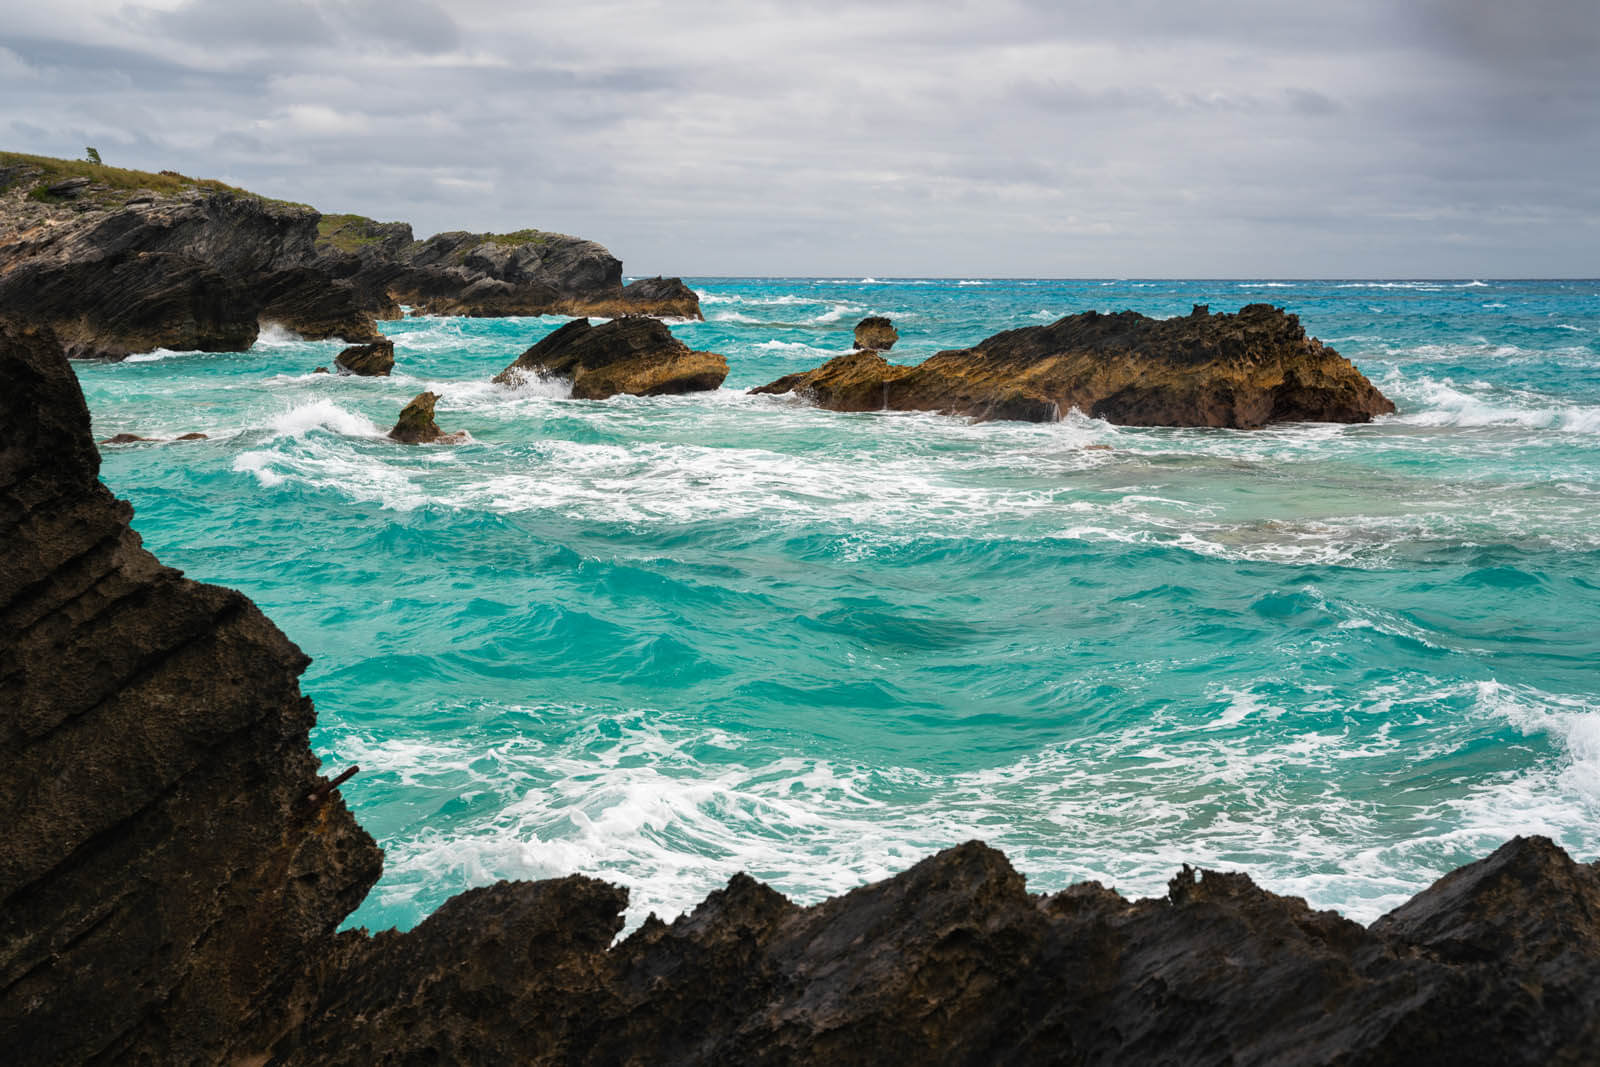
<point>672,809</point>
<point>322,415</point>
<point>1441,402</point>
<point>158,355</point>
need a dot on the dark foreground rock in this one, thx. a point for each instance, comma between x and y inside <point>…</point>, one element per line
<point>1242,371</point>
<point>174,868</point>
<point>416,426</point>
<point>122,261</point>
<point>634,355</point>
<point>373,361</point>
<point>876,334</point>
<point>161,881</point>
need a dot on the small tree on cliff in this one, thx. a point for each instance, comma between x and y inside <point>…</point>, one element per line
<point>92,155</point>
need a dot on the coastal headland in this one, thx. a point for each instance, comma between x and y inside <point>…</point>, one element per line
<point>176,867</point>
<point>119,262</point>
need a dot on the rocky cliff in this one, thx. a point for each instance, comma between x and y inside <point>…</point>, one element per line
<point>174,867</point>
<point>121,261</point>
<point>1241,371</point>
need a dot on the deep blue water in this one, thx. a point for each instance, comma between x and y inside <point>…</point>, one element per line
<point>663,640</point>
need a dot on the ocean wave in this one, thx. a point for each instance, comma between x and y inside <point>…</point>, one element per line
<point>324,415</point>
<point>671,807</point>
<point>1441,402</point>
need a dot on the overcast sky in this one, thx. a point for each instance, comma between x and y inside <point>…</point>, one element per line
<point>1441,138</point>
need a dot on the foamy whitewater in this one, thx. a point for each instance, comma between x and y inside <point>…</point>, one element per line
<point>661,641</point>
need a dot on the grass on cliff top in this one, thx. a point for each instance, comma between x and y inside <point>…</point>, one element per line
<point>346,232</point>
<point>521,237</point>
<point>115,180</point>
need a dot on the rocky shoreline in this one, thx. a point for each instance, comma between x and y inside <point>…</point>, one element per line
<point>1241,371</point>
<point>119,262</point>
<point>176,867</point>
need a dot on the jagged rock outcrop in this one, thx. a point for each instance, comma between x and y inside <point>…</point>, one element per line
<point>1242,371</point>
<point>373,361</point>
<point>530,272</point>
<point>162,881</point>
<point>198,266</point>
<point>634,355</point>
<point>174,869</point>
<point>416,426</point>
<point>876,334</point>
<point>123,261</point>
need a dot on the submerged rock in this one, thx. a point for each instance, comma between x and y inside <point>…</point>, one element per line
<point>1242,371</point>
<point>373,360</point>
<point>876,334</point>
<point>416,425</point>
<point>174,869</point>
<point>634,355</point>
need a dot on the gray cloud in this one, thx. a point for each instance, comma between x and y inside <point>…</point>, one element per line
<point>1009,137</point>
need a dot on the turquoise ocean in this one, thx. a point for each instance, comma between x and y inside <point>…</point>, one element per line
<point>660,641</point>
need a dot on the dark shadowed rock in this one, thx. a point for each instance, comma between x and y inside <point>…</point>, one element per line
<point>876,334</point>
<point>531,272</point>
<point>174,868</point>
<point>1242,371</point>
<point>416,425</point>
<point>196,265</point>
<point>634,355</point>
<point>158,891</point>
<point>374,360</point>
<point>197,268</point>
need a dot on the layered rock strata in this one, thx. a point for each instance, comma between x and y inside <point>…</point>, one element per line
<point>122,261</point>
<point>1242,371</point>
<point>164,882</point>
<point>634,355</point>
<point>174,869</point>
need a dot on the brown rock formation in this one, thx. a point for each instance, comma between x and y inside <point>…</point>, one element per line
<point>416,425</point>
<point>374,361</point>
<point>634,355</point>
<point>160,881</point>
<point>876,334</point>
<point>1242,371</point>
<point>173,869</point>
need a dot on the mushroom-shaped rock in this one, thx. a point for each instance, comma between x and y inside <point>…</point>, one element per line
<point>876,334</point>
<point>416,425</point>
<point>373,360</point>
<point>634,355</point>
<point>1241,371</point>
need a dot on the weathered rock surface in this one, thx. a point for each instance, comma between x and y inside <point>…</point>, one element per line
<point>1242,371</point>
<point>119,262</point>
<point>634,355</point>
<point>198,267</point>
<point>530,272</point>
<point>174,868</point>
<point>876,334</point>
<point>416,425</point>
<point>374,361</point>
<point>160,881</point>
